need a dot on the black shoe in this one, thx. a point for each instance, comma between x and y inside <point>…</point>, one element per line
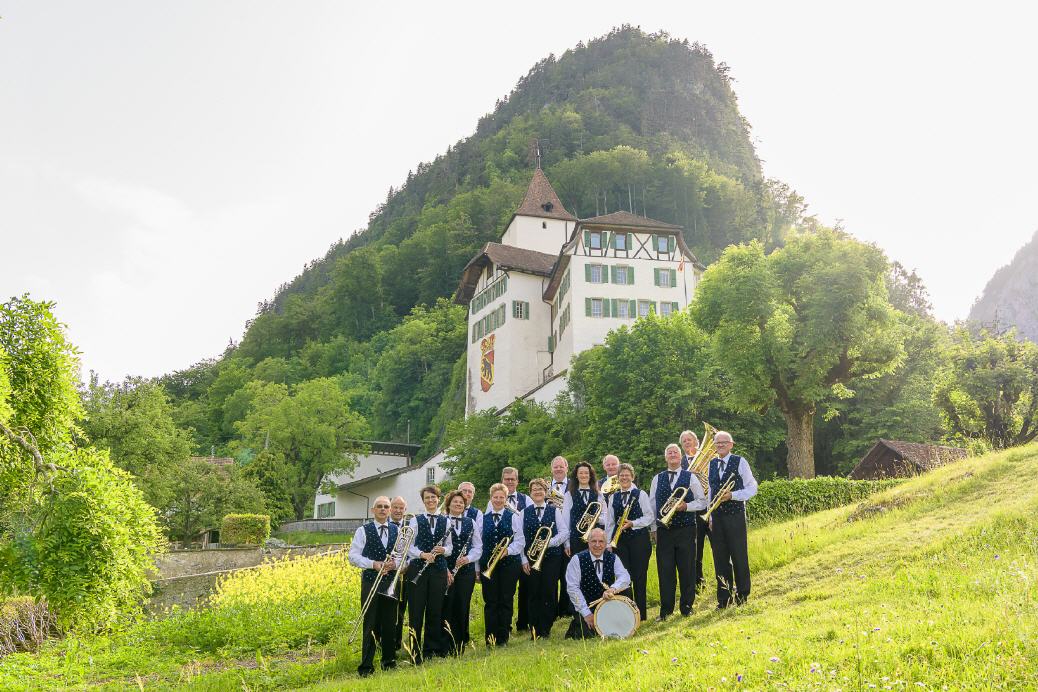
<point>365,672</point>
<point>660,618</point>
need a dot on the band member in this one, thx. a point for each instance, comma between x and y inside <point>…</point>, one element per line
<point>676,544</point>
<point>499,588</point>
<point>634,548</point>
<point>517,501</point>
<point>397,510</point>
<point>461,570</point>
<point>370,550</point>
<point>559,481</point>
<point>583,491</point>
<point>469,491</point>
<point>728,521</point>
<point>425,599</point>
<point>543,583</point>
<point>690,444</point>
<point>611,465</point>
<point>587,575</point>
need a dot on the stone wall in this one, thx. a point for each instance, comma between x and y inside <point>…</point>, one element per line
<point>321,525</point>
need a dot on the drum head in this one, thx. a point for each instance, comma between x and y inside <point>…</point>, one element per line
<point>616,618</point>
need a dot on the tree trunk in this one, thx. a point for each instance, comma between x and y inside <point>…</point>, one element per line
<point>800,441</point>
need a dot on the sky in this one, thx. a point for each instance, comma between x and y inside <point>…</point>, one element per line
<point>164,167</point>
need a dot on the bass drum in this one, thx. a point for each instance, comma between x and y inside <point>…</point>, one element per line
<point>617,618</point>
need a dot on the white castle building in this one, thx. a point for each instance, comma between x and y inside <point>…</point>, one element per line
<point>555,285</point>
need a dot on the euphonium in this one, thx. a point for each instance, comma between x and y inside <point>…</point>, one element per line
<point>403,543</point>
<point>556,499</point>
<point>699,465</point>
<point>589,520</point>
<point>670,507</point>
<point>620,524</point>
<point>539,546</point>
<point>500,550</point>
<point>610,485</point>
<point>728,485</point>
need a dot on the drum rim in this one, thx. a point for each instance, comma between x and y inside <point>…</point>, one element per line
<point>634,609</point>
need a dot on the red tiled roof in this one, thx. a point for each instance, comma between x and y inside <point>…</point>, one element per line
<point>506,257</point>
<point>541,200</point>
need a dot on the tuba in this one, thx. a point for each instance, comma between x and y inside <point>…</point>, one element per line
<point>539,545</point>
<point>500,550</point>
<point>670,507</point>
<point>699,465</point>
<point>589,520</point>
<point>610,485</point>
<point>404,538</point>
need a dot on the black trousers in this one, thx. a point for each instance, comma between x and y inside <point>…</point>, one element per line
<point>456,608</point>
<point>542,595</point>
<point>579,629</point>
<point>425,606</point>
<point>522,619</point>
<point>675,549</point>
<point>401,608</point>
<point>731,563</point>
<point>378,632</point>
<point>565,609</point>
<point>702,533</point>
<point>498,595</point>
<point>634,550</point>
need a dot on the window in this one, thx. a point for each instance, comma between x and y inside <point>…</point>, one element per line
<point>622,309</point>
<point>564,286</point>
<point>622,275</point>
<point>620,241</point>
<point>326,510</point>
<point>662,243</point>
<point>596,274</point>
<point>595,241</point>
<point>490,294</point>
<point>665,278</point>
<point>645,307</point>
<point>520,310</point>
<point>668,308</point>
<point>430,475</point>
<point>564,320</point>
<point>596,307</point>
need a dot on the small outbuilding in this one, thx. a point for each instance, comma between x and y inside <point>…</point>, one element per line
<point>895,459</point>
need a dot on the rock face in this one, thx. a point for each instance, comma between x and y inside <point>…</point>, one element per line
<point>1011,297</point>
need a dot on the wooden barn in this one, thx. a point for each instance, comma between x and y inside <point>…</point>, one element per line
<point>894,459</point>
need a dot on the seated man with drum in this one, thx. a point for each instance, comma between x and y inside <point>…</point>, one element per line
<point>593,578</point>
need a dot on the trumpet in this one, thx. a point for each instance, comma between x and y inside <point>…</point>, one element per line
<point>728,485</point>
<point>403,543</point>
<point>589,520</point>
<point>699,465</point>
<point>539,545</point>
<point>670,507</point>
<point>500,550</point>
<point>610,485</point>
<point>620,524</point>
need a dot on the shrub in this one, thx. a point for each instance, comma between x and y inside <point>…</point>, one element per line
<point>25,624</point>
<point>785,498</point>
<point>245,529</point>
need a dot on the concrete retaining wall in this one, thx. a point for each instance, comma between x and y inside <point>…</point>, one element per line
<point>321,525</point>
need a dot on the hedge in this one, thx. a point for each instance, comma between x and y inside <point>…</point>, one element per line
<point>785,498</point>
<point>245,529</point>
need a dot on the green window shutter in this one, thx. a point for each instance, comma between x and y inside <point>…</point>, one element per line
<point>612,310</point>
<point>673,277</point>
<point>652,306</point>
<point>587,273</point>
<point>630,242</point>
<point>655,276</point>
<point>587,307</point>
<point>612,274</point>
<point>630,275</point>
<point>587,240</point>
<point>674,307</point>
<point>632,311</point>
<point>673,242</point>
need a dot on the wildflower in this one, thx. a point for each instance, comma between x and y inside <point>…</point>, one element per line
<point>643,651</point>
<point>738,677</point>
<point>770,672</point>
<point>674,660</point>
<point>996,557</point>
<point>875,629</point>
<point>774,659</point>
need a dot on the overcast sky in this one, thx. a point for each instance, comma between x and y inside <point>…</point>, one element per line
<point>165,166</point>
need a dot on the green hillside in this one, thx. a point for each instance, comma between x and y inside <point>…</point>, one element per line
<point>930,584</point>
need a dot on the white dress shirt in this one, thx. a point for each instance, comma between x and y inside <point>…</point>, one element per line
<point>475,543</point>
<point>622,581</point>
<point>516,496</point>
<point>645,520</point>
<point>558,539</point>
<point>749,483</point>
<point>559,486</point>
<point>696,503</point>
<point>567,509</point>
<point>518,539</point>
<point>414,552</point>
<point>360,540</point>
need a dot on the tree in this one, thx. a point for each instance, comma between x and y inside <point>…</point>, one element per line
<point>313,430</point>
<point>795,326</point>
<point>989,388</point>
<point>74,530</point>
<point>201,494</point>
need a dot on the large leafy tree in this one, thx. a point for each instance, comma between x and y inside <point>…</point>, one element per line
<point>794,327</point>
<point>989,388</point>
<point>201,494</point>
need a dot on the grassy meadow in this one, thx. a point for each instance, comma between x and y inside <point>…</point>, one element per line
<point>932,584</point>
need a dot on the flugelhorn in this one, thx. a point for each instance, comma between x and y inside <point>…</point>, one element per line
<point>670,507</point>
<point>589,520</point>
<point>403,543</point>
<point>539,546</point>
<point>728,485</point>
<point>500,550</point>
<point>620,524</point>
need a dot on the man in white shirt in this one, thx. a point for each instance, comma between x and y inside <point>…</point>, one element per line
<point>590,575</point>
<point>728,521</point>
<point>371,550</point>
<point>517,502</point>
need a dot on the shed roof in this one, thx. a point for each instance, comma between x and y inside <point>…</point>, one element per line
<point>912,457</point>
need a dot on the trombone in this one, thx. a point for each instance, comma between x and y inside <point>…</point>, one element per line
<point>539,545</point>
<point>403,543</point>
<point>728,485</point>
<point>589,520</point>
<point>670,507</point>
<point>500,550</point>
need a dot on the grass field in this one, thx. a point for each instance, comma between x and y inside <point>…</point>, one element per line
<point>931,584</point>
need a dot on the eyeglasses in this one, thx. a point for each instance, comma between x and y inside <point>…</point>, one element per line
<point>381,506</point>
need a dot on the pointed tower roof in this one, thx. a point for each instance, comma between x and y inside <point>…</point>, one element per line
<point>541,200</point>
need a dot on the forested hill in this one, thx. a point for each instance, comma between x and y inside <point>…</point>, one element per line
<point>631,120</point>
<point>1011,297</point>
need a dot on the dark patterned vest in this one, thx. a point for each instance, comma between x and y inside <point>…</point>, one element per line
<point>521,501</point>
<point>719,476</point>
<point>579,507</point>
<point>590,586</point>
<point>493,534</point>
<point>471,512</point>
<point>428,537</point>
<point>686,461</point>
<point>374,550</point>
<point>530,526</point>
<point>636,509</point>
<point>663,492</point>
<point>461,543</point>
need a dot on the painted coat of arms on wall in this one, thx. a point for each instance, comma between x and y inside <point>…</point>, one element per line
<point>486,363</point>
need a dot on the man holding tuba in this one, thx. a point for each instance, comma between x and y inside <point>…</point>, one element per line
<point>677,498</point>
<point>731,485</point>
<point>544,532</point>
<point>690,445</point>
<point>370,550</point>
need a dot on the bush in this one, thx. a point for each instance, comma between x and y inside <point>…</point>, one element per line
<point>245,529</point>
<point>785,498</point>
<point>25,624</point>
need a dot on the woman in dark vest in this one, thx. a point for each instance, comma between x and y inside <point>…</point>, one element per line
<point>582,491</point>
<point>543,583</point>
<point>499,521</point>
<point>728,522</point>
<point>586,573</point>
<point>425,599</point>
<point>461,571</point>
<point>370,550</point>
<point>634,547</point>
